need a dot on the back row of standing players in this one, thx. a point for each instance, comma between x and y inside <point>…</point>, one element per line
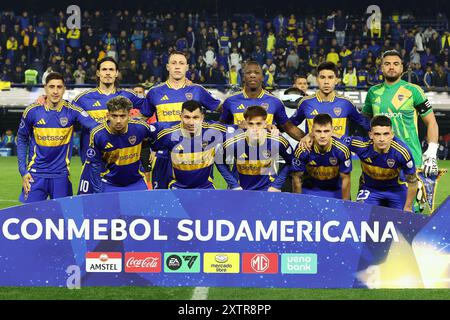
<point>398,99</point>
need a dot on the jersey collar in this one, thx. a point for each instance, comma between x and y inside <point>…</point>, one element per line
<point>258,97</point>
<point>320,100</point>
<point>58,109</point>
<point>101,92</point>
<point>169,86</point>
<point>316,148</point>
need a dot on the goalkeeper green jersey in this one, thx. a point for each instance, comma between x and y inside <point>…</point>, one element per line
<point>401,102</point>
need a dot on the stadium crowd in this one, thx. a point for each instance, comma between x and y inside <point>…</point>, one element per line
<point>33,45</point>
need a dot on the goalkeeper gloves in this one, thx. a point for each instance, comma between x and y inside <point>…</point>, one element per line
<point>430,167</point>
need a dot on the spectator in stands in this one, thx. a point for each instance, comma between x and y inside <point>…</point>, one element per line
<point>428,78</point>
<point>79,75</point>
<point>9,141</point>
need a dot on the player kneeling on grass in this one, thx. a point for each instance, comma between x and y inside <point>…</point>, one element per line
<point>256,152</point>
<point>386,163</point>
<point>113,157</point>
<point>325,170</point>
<point>192,145</point>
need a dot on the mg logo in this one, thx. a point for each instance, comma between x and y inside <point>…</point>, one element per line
<point>260,263</point>
<point>266,262</point>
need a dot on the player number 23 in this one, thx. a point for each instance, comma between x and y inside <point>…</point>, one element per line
<point>362,195</point>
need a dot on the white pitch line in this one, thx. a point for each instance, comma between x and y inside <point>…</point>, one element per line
<point>200,293</point>
<point>1,200</point>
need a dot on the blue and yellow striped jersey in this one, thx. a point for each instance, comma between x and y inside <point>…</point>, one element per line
<point>165,101</point>
<point>193,157</point>
<point>321,170</point>
<point>94,101</point>
<point>341,110</point>
<point>382,170</point>
<point>50,134</point>
<point>235,105</point>
<point>256,164</point>
<point>118,155</point>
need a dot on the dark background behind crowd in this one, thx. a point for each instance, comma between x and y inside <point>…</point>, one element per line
<point>288,43</point>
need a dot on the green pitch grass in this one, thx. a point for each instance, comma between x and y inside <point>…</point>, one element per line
<point>10,185</point>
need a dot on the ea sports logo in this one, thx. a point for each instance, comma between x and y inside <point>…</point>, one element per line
<point>260,263</point>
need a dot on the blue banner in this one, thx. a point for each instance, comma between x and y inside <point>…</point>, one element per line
<point>221,238</point>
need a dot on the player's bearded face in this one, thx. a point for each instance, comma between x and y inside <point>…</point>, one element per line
<point>256,128</point>
<point>392,68</point>
<point>177,67</point>
<point>118,120</point>
<point>192,121</point>
<point>253,77</point>
<point>322,134</point>
<point>107,73</point>
<point>382,137</point>
<point>54,90</point>
<point>327,81</point>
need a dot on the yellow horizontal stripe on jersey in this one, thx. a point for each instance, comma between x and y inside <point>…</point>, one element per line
<point>168,112</point>
<point>379,173</point>
<point>322,172</point>
<point>239,118</point>
<point>254,167</point>
<point>98,115</point>
<point>123,156</point>
<point>193,161</point>
<point>52,137</point>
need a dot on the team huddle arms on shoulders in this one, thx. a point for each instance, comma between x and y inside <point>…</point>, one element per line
<point>245,145</point>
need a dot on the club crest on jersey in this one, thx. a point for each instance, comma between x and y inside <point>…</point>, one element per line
<point>64,121</point>
<point>333,161</point>
<point>337,111</point>
<point>265,105</point>
<point>189,96</point>
<point>400,97</point>
<point>132,139</point>
<point>390,162</point>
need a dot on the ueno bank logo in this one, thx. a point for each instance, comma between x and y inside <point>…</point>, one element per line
<point>137,262</point>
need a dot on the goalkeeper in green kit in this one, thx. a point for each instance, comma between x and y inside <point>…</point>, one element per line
<point>402,102</point>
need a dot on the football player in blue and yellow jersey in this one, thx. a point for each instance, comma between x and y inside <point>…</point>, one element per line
<point>115,150</point>
<point>256,152</point>
<point>192,146</point>
<point>325,170</point>
<point>341,109</point>
<point>388,170</point>
<point>94,101</point>
<point>253,94</point>
<point>49,129</point>
<point>165,102</point>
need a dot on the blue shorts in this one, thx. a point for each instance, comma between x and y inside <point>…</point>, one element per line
<point>337,194</point>
<point>43,188</point>
<point>175,185</point>
<point>162,172</point>
<point>386,198</point>
<point>137,186</point>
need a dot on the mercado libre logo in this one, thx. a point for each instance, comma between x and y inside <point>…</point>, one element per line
<point>220,262</point>
<point>182,262</point>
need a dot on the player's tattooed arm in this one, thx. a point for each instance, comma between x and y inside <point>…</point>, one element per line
<point>412,190</point>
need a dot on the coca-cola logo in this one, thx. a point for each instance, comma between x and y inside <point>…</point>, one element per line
<point>149,262</point>
<point>142,262</point>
